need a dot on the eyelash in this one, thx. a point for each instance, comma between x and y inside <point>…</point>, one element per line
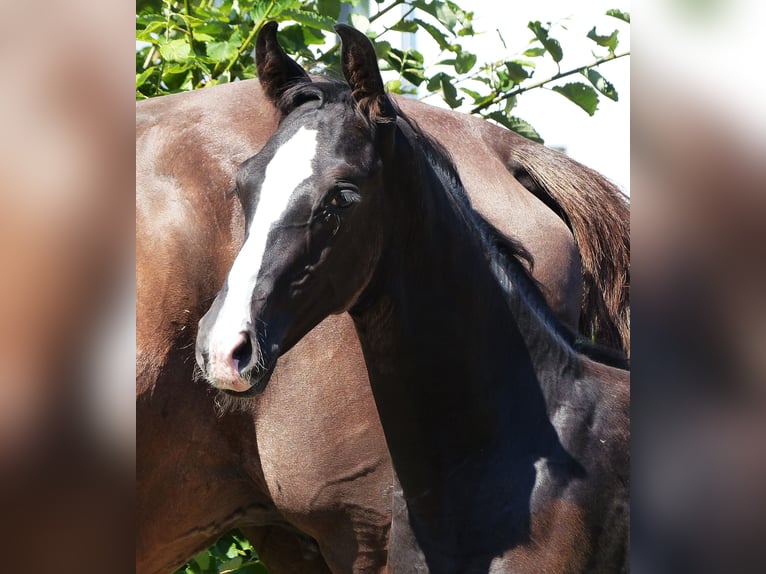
<point>342,198</point>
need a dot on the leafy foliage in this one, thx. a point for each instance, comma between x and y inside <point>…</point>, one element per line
<point>580,94</point>
<point>189,44</point>
<point>231,554</point>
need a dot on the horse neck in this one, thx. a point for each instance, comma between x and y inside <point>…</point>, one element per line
<point>454,378</point>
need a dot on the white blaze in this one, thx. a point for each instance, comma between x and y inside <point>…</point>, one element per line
<point>290,166</point>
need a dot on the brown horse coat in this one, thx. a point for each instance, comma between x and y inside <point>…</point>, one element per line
<point>309,456</point>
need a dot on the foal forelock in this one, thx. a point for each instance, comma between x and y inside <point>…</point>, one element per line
<point>291,165</point>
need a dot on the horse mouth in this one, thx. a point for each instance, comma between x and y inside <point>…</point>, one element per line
<point>250,385</point>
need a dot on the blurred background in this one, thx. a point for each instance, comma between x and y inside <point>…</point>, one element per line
<point>67,422</point>
<point>698,268</point>
<point>698,198</point>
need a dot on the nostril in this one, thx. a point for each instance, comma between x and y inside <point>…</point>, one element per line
<point>242,353</point>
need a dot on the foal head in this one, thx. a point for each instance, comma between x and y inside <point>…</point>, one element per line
<point>315,215</point>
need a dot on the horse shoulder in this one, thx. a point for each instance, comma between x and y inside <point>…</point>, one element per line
<point>606,493</point>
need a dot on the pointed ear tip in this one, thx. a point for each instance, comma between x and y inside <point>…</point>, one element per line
<point>267,31</point>
<point>347,32</point>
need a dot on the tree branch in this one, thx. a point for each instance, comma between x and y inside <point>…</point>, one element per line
<point>385,10</point>
<point>521,89</point>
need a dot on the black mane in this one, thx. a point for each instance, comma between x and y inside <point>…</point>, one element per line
<point>510,261</point>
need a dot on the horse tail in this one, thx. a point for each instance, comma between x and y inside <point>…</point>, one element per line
<point>598,214</point>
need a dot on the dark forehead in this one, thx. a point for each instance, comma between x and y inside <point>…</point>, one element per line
<point>343,136</point>
<point>327,106</point>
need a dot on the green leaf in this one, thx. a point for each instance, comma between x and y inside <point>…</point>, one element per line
<point>202,37</point>
<point>233,551</point>
<point>231,564</point>
<point>409,26</point>
<point>434,82</point>
<point>464,61</point>
<point>215,29</point>
<point>173,69</point>
<point>221,548</point>
<point>580,94</point>
<point>450,93</point>
<point>414,75</point>
<point>624,16</point>
<point>551,45</point>
<point>443,82</point>
<point>609,41</point>
<point>310,19</point>
<point>445,13</point>
<point>409,64</point>
<point>483,79</point>
<point>329,8</point>
<point>439,10</point>
<point>465,18</point>
<point>435,33</point>
<point>202,560</point>
<point>149,34</point>
<point>534,52</point>
<point>291,38</point>
<point>478,99</point>
<point>394,58</point>
<point>601,84</point>
<point>283,6</point>
<point>143,18</point>
<point>517,125</point>
<point>510,103</point>
<point>313,36</point>
<point>516,71</point>
<point>243,542</point>
<point>382,48</point>
<point>474,94</point>
<point>503,81</point>
<point>143,76</point>
<point>175,50</point>
<point>224,51</point>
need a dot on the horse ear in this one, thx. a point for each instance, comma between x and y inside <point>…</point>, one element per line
<point>276,70</point>
<point>360,67</point>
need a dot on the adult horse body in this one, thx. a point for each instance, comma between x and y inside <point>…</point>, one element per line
<point>308,458</point>
<point>511,447</point>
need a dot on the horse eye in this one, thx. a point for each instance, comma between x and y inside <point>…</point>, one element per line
<point>344,197</point>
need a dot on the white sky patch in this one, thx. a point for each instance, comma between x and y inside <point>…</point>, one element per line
<point>290,166</point>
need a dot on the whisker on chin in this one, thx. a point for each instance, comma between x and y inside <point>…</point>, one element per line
<point>226,404</point>
<point>198,375</point>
